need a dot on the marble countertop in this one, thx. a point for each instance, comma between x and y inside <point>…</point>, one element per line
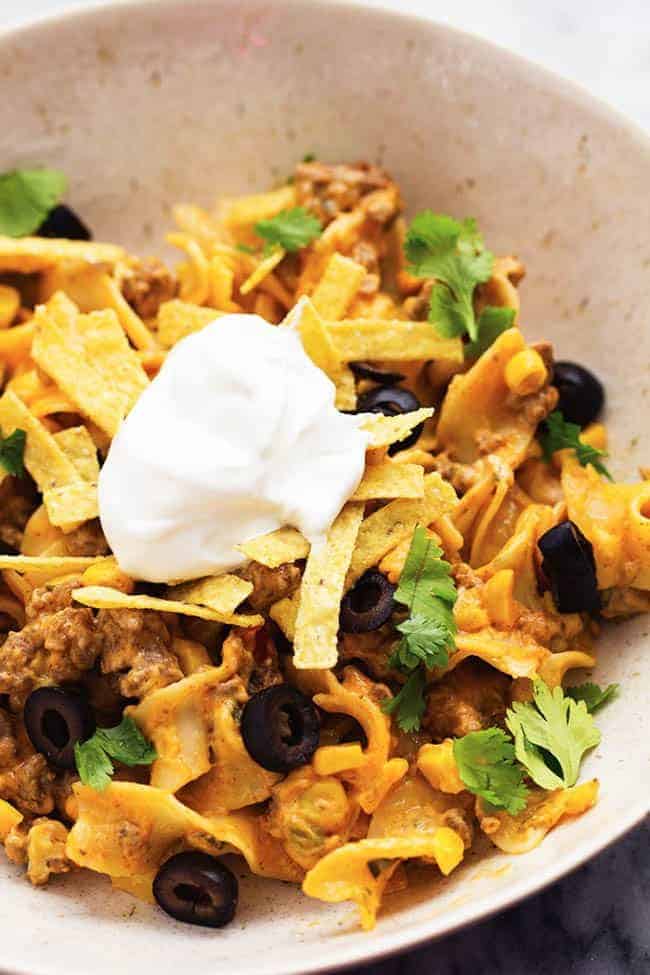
<point>597,920</point>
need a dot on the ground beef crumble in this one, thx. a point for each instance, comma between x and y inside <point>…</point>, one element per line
<point>136,646</point>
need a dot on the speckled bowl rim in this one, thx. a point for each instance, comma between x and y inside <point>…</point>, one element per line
<point>382,945</point>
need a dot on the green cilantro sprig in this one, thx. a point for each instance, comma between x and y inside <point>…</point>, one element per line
<point>12,452</point>
<point>291,229</point>
<point>452,252</point>
<point>427,589</point>
<point>26,198</point>
<point>560,435</point>
<point>552,735</point>
<point>124,743</point>
<point>593,695</point>
<point>487,766</point>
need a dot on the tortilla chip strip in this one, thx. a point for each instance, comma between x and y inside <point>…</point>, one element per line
<point>69,500</point>
<point>387,430</point>
<point>317,622</point>
<point>29,254</point>
<point>101,597</point>
<point>389,480</point>
<point>284,613</point>
<point>79,447</point>
<point>263,269</point>
<point>338,286</point>
<point>246,210</point>
<point>177,319</point>
<point>39,569</point>
<point>387,527</point>
<point>223,594</point>
<point>15,343</point>
<point>322,352</point>
<point>276,548</point>
<point>362,339</point>
<point>90,359</point>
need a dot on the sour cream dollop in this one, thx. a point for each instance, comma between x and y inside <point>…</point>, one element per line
<point>237,435</point>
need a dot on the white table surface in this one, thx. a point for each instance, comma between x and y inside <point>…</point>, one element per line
<point>604,46</point>
<point>597,921</point>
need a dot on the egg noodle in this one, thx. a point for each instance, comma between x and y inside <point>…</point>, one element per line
<point>418,655</point>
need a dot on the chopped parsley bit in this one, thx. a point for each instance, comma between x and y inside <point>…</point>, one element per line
<point>593,695</point>
<point>487,766</point>
<point>492,322</point>
<point>427,589</point>
<point>560,435</point>
<point>124,743</point>
<point>290,229</point>
<point>12,452</point>
<point>309,157</point>
<point>551,736</point>
<point>452,252</point>
<point>245,249</point>
<point>26,198</point>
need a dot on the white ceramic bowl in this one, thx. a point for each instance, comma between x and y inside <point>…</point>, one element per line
<point>146,104</point>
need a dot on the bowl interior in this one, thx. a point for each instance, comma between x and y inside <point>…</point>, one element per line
<point>147,105</point>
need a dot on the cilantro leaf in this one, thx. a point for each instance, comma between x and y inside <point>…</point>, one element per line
<point>486,764</point>
<point>551,736</point>
<point>560,434</point>
<point>124,743</point>
<point>492,322</point>
<point>427,589</point>
<point>12,452</point>
<point>93,764</point>
<point>26,198</point>
<point>451,252</point>
<point>593,695</point>
<point>291,229</point>
<point>424,641</point>
<point>245,249</point>
<point>409,704</point>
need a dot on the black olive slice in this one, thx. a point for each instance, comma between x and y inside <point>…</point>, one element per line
<point>570,567</point>
<point>391,401</point>
<point>64,223</point>
<point>280,727</point>
<point>368,605</point>
<point>581,394</point>
<point>55,720</point>
<point>198,889</point>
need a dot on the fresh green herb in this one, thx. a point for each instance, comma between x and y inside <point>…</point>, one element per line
<point>124,743</point>
<point>492,322</point>
<point>551,736</point>
<point>12,452</point>
<point>245,249</point>
<point>309,157</point>
<point>486,764</point>
<point>290,229</point>
<point>26,198</point>
<point>427,589</point>
<point>451,252</point>
<point>560,434</point>
<point>409,704</point>
<point>593,695</point>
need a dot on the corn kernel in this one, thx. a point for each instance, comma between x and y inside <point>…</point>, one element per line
<point>9,305</point>
<point>9,817</point>
<point>331,759</point>
<point>526,373</point>
<point>438,765</point>
<point>595,435</point>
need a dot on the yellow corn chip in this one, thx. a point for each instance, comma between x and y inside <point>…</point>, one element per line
<point>386,430</point>
<point>247,210</point>
<point>263,269</point>
<point>69,500</point>
<point>317,622</point>
<point>276,548</point>
<point>15,343</point>
<point>322,352</point>
<point>79,447</point>
<point>91,288</point>
<point>90,359</point>
<point>223,594</point>
<point>29,254</point>
<point>389,480</point>
<point>284,613</point>
<point>387,527</point>
<point>360,339</point>
<point>338,286</point>
<point>101,597</point>
<point>222,282</point>
<point>42,568</point>
<point>177,319</point>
